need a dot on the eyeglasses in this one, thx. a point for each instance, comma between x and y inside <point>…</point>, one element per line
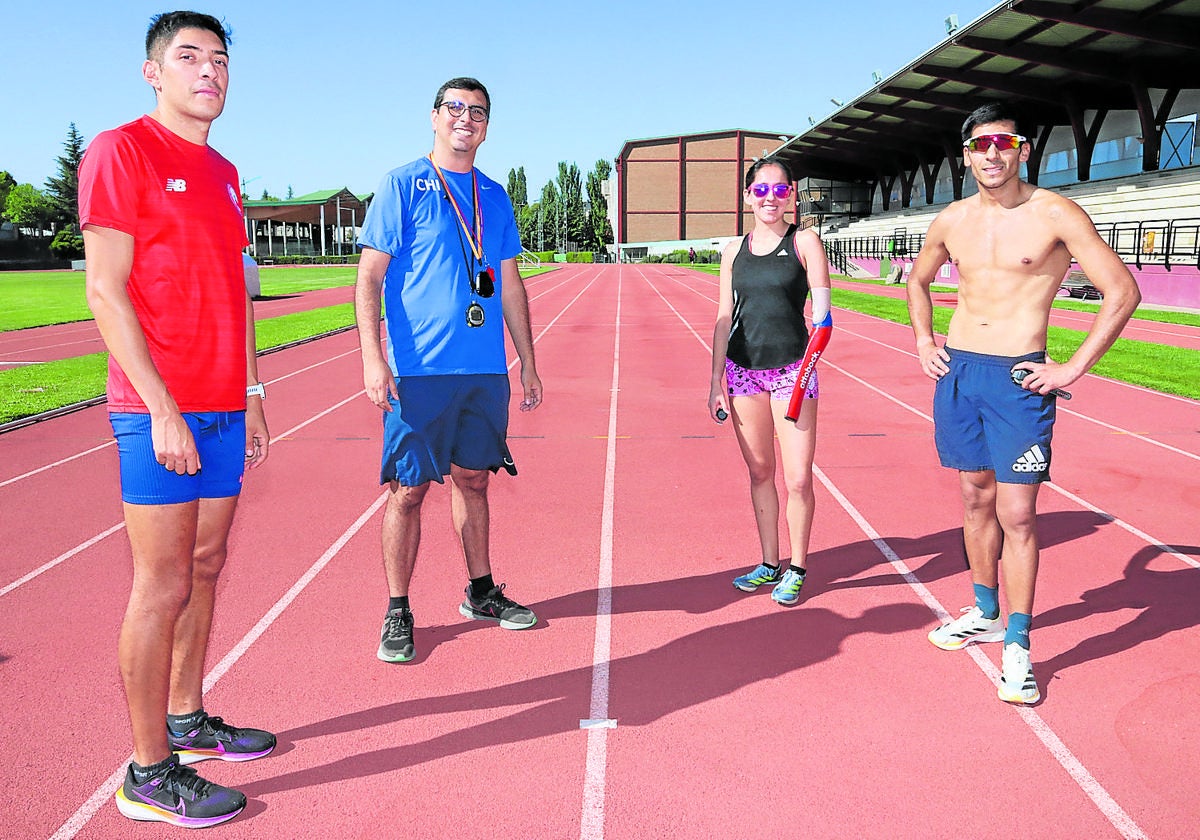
<point>484,283</point>
<point>781,190</point>
<point>1002,142</point>
<point>478,112</point>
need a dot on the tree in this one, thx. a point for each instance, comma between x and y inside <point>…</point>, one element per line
<point>521,198</point>
<point>573,224</point>
<point>548,217</point>
<point>67,244</point>
<point>266,196</point>
<point>62,190</point>
<point>290,193</point>
<point>27,208</point>
<point>527,223</point>
<point>599,227</point>
<point>511,189</point>
<point>7,182</point>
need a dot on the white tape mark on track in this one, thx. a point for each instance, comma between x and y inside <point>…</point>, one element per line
<point>592,822</point>
<point>108,787</point>
<point>1066,759</point>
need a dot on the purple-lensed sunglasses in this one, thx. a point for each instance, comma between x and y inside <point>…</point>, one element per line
<point>781,190</point>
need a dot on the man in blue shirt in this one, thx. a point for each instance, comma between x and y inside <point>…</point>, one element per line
<point>439,246</point>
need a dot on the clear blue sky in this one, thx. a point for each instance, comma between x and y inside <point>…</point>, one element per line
<point>331,94</point>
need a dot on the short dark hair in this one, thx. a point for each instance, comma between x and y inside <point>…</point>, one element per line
<point>769,160</point>
<point>990,112</point>
<point>462,83</point>
<point>163,28</point>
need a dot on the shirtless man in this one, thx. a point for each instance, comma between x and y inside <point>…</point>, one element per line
<point>1012,243</point>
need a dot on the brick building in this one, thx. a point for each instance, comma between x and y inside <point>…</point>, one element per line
<point>686,189</point>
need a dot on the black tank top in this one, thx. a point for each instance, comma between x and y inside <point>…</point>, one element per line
<point>768,328</point>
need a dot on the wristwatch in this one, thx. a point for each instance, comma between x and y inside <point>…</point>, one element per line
<point>257,388</point>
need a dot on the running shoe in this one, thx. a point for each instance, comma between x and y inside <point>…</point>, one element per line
<point>787,591</point>
<point>1017,684</point>
<point>757,577</point>
<point>971,627</point>
<point>214,738</point>
<point>180,797</point>
<point>396,638</point>
<point>496,606</point>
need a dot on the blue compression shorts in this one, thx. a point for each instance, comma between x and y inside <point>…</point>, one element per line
<point>457,419</point>
<point>984,421</point>
<point>220,439</point>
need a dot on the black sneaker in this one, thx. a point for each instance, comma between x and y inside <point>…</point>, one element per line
<point>214,738</point>
<point>496,606</point>
<point>180,797</point>
<point>396,638</point>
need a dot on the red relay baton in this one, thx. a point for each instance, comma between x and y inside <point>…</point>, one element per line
<point>817,342</point>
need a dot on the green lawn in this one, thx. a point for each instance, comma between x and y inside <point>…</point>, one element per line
<point>39,298</point>
<point>32,389</point>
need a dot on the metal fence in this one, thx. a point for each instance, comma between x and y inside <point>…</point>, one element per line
<point>1165,243</point>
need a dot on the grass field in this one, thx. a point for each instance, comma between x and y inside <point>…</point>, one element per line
<point>33,389</point>
<point>40,298</point>
<point>55,297</point>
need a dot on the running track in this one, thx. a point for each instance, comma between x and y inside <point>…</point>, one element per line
<point>652,700</point>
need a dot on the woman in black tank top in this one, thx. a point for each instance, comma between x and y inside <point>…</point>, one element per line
<point>758,343</point>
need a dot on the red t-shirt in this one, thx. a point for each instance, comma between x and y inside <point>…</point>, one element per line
<point>180,203</point>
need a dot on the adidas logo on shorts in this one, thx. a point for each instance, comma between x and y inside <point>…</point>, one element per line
<point>1033,460</point>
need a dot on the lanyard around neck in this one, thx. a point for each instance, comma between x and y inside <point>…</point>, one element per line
<point>475,240</point>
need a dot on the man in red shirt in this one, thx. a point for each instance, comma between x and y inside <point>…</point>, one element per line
<point>163,231</point>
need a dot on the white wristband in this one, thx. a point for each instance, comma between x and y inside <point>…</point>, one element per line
<point>258,389</point>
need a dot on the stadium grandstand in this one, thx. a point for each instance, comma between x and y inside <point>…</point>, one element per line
<point>323,223</point>
<point>1109,89</point>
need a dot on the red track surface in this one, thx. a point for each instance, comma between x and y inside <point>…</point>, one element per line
<point>733,717</point>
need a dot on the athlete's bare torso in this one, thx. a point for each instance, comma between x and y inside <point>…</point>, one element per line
<point>1011,262</point>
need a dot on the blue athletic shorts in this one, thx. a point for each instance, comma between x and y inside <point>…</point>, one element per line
<point>983,420</point>
<point>457,419</point>
<point>220,439</point>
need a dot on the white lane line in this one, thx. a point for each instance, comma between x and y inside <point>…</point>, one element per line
<point>68,459</point>
<point>1091,787</point>
<point>1062,408</point>
<point>592,821</point>
<point>112,530</point>
<point>67,555</point>
<point>108,787</point>
<point>86,452</point>
<point>1107,806</point>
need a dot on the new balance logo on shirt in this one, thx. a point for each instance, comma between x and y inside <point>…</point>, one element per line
<point>1033,460</point>
<point>176,185</point>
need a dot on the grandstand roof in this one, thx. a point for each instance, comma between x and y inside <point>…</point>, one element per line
<point>1055,59</point>
<point>307,208</point>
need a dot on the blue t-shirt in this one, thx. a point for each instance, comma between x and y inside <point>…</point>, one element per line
<point>426,290</point>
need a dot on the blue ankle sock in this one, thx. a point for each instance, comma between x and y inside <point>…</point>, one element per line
<point>987,598</point>
<point>1018,629</point>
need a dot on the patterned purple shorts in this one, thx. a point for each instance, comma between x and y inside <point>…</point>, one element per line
<point>779,382</point>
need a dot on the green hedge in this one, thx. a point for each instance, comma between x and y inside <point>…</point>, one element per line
<point>345,259</point>
<point>682,257</point>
